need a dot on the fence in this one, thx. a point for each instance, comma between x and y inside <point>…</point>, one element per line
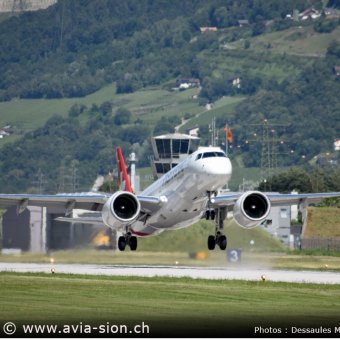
<point>321,243</point>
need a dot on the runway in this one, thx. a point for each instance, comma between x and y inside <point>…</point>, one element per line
<point>215,273</point>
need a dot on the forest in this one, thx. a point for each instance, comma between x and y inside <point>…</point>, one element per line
<point>75,47</point>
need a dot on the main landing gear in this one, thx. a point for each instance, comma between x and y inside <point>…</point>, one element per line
<point>219,215</point>
<point>129,240</point>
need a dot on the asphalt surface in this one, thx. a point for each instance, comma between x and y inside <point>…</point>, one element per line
<point>179,271</point>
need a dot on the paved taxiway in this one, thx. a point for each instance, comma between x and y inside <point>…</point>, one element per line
<point>178,271</point>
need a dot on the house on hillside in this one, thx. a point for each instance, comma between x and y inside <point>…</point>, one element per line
<point>309,13</point>
<point>193,131</point>
<point>243,23</point>
<point>208,29</point>
<point>3,133</point>
<point>235,81</point>
<point>337,70</point>
<point>331,12</point>
<point>337,145</point>
<point>187,83</point>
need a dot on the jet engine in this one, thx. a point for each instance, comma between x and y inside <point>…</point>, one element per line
<point>251,209</point>
<point>121,208</point>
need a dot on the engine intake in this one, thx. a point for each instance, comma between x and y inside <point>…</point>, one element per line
<point>251,209</point>
<point>120,209</point>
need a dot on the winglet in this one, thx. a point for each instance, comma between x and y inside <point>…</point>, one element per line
<point>123,178</point>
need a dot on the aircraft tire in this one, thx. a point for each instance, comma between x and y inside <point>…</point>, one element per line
<point>121,243</point>
<point>222,242</point>
<point>211,242</point>
<point>133,243</point>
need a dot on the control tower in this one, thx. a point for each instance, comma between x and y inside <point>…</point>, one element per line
<point>169,150</point>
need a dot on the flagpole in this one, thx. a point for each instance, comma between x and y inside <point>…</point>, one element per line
<point>226,139</point>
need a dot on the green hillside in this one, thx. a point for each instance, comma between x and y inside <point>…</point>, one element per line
<point>148,104</point>
<point>300,41</point>
<point>74,47</point>
<point>129,55</point>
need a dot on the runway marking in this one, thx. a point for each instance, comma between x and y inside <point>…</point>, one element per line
<point>210,273</point>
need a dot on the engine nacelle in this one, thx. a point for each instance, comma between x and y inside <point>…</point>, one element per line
<point>121,208</point>
<point>251,209</point>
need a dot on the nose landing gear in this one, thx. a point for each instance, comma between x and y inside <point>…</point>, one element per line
<point>219,215</point>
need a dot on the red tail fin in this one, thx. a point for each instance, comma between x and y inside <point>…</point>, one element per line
<point>123,178</point>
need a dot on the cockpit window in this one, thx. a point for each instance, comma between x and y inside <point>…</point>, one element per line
<point>198,156</point>
<point>213,154</point>
<point>209,154</point>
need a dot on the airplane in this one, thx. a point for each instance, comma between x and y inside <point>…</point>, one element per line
<point>190,191</point>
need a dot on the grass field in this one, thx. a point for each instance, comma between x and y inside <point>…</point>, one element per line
<point>222,108</point>
<point>169,306</point>
<point>149,104</point>
<point>301,41</point>
<point>323,222</point>
<point>249,259</point>
<point>181,247</point>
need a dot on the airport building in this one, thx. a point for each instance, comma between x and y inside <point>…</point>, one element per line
<point>37,230</point>
<point>169,150</point>
<point>278,224</point>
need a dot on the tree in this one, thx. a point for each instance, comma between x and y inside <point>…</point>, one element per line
<point>294,179</point>
<point>122,116</point>
<point>109,185</point>
<point>76,110</point>
<point>105,108</point>
<point>334,49</point>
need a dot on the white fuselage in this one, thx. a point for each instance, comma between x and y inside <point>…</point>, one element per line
<point>184,188</point>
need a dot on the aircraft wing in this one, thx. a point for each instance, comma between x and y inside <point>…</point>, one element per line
<point>91,201</point>
<point>276,199</point>
<point>86,201</point>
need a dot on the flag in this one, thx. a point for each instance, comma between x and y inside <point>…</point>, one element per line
<point>229,134</point>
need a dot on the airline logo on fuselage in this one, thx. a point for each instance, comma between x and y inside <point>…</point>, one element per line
<point>174,173</point>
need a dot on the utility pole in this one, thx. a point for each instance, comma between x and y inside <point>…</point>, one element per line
<point>265,153</point>
<point>74,176</point>
<point>269,150</point>
<point>40,182</point>
<point>213,132</point>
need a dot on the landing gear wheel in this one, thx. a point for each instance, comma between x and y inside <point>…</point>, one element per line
<point>222,242</point>
<point>211,242</point>
<point>121,243</point>
<point>210,215</point>
<point>133,243</point>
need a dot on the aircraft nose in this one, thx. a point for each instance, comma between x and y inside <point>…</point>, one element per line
<point>218,166</point>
